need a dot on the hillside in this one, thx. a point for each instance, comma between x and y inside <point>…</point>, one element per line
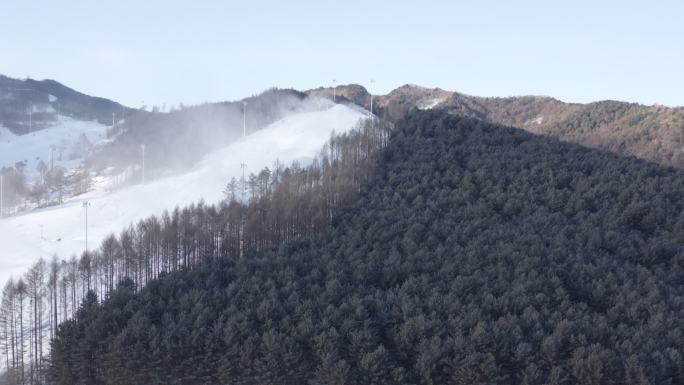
<point>476,254</point>
<point>654,133</point>
<point>28,105</point>
<point>61,230</point>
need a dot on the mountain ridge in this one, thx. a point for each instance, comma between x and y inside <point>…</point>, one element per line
<point>45,99</point>
<point>652,133</point>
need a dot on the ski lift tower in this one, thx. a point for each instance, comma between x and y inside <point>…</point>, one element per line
<point>86,204</point>
<point>244,118</point>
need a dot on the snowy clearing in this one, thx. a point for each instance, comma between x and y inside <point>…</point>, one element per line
<point>63,138</point>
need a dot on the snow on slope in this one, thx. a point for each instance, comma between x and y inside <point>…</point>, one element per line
<point>429,103</point>
<point>296,137</point>
<point>34,147</point>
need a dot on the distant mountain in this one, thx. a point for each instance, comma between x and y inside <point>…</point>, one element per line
<point>654,133</point>
<point>27,105</point>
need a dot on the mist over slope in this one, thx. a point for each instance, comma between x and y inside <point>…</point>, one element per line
<point>654,133</point>
<point>174,139</point>
<point>54,147</point>
<point>61,229</point>
<point>177,139</point>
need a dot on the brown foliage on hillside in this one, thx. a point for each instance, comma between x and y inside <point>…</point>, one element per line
<point>654,133</point>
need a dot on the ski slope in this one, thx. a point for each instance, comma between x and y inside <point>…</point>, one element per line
<point>62,139</point>
<point>61,230</point>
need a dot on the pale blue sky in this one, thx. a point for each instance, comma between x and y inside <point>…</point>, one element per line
<point>193,51</point>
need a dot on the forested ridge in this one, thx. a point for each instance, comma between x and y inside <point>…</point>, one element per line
<point>475,254</point>
<point>261,211</point>
<point>650,132</point>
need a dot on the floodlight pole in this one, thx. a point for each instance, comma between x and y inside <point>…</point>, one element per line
<point>142,148</point>
<point>371,98</point>
<point>334,89</point>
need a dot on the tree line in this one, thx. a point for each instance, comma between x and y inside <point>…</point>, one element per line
<point>261,211</point>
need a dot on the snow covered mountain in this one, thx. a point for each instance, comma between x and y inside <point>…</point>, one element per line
<point>27,105</point>
<point>61,229</point>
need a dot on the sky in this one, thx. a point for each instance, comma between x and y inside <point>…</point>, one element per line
<point>170,52</point>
